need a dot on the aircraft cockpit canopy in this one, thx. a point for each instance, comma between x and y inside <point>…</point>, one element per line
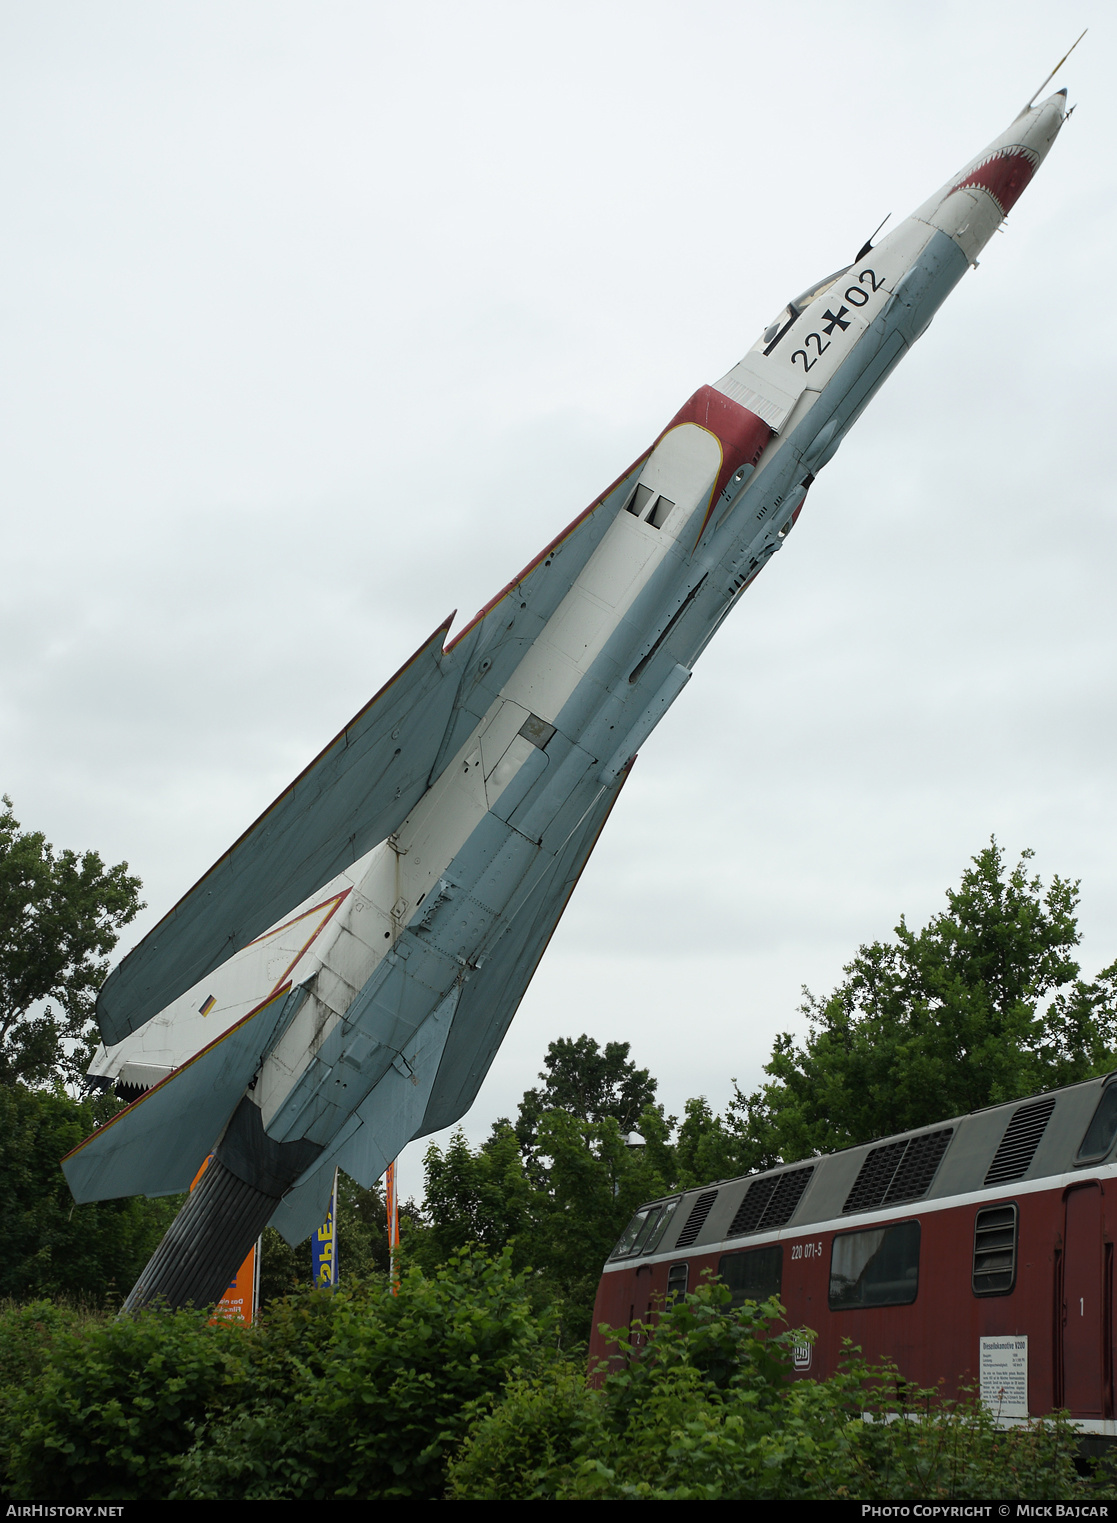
<point>779,326</point>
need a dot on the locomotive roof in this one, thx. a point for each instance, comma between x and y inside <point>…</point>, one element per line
<point>998,1151</point>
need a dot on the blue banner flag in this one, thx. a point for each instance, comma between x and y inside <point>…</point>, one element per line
<point>323,1246</point>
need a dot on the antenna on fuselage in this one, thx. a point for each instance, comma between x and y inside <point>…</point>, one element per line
<point>867,245</point>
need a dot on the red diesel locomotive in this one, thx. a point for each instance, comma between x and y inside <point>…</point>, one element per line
<point>975,1252</point>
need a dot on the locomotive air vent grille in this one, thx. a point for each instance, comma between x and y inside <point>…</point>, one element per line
<point>898,1171</point>
<point>1018,1145</point>
<point>786,1196</point>
<point>916,1168</point>
<point>695,1221</point>
<point>753,1203</point>
<point>994,1250</point>
<point>875,1176</point>
<point>770,1202</point>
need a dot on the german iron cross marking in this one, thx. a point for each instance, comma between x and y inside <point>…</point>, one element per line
<point>835,320</point>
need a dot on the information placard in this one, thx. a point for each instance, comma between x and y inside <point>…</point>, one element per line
<point>1004,1374</point>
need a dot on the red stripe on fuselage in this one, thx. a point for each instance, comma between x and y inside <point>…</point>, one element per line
<point>741,434</point>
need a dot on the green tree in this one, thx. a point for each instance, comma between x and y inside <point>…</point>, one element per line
<point>587,1082</point>
<point>560,1214</point>
<point>362,1243</point>
<point>594,1182</point>
<point>60,915</point>
<point>480,1196</point>
<point>984,1004</point>
<point>705,1148</point>
<point>48,1245</point>
<point>558,1187</point>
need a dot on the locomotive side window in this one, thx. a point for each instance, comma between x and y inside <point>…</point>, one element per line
<point>995,1235</point>
<point>1103,1128</point>
<point>645,1231</point>
<point>628,1237</point>
<point>655,1235</point>
<point>879,1267</point>
<point>752,1276</point>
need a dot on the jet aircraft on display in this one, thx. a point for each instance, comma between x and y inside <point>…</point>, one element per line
<point>338,983</point>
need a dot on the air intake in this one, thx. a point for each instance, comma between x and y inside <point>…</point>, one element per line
<point>898,1171</point>
<point>994,1250</point>
<point>697,1218</point>
<point>1018,1145</point>
<point>770,1202</point>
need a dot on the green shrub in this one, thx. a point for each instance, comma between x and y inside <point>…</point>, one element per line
<point>27,1337</point>
<point>116,1405</point>
<point>680,1419</point>
<point>866,1433</point>
<point>704,1409</point>
<point>454,1387</point>
<point>365,1394</point>
<point>523,1449</point>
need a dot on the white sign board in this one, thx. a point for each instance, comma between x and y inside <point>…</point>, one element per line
<point>1004,1374</point>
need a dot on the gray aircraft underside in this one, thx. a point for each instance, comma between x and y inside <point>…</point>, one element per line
<point>349,967</point>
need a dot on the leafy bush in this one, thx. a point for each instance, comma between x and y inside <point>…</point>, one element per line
<point>27,1337</point>
<point>365,1394</point>
<point>454,1387</point>
<point>705,1409</point>
<point>697,1389</point>
<point>117,1404</point>
<point>523,1450</point>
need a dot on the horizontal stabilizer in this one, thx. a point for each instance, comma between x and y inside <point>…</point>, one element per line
<point>159,1143</point>
<point>350,798</point>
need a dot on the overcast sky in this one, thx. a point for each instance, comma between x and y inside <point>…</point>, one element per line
<point>319,320</point>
